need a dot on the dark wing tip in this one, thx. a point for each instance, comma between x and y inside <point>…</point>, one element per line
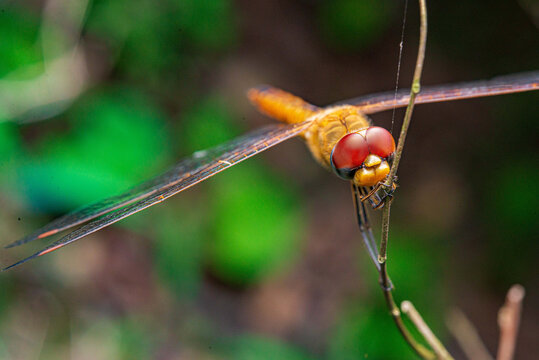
<point>22,261</point>
<point>22,241</point>
<point>47,250</point>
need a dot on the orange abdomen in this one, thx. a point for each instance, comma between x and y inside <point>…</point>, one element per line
<point>281,105</point>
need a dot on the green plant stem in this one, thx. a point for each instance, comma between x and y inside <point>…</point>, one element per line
<point>387,289</point>
<point>416,87</point>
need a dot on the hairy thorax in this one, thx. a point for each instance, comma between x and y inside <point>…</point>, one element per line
<point>329,126</point>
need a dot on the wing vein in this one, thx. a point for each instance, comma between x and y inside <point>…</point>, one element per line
<point>500,85</point>
<point>185,174</point>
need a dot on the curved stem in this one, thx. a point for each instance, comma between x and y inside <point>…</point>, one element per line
<point>387,288</point>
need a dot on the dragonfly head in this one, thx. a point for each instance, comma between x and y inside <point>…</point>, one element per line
<point>363,156</point>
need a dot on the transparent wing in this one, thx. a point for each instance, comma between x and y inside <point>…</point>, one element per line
<point>188,172</point>
<point>508,84</point>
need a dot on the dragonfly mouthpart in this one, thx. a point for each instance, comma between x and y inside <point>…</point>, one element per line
<point>374,170</point>
<point>372,161</point>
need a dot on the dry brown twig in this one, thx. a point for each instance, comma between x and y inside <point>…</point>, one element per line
<point>409,309</point>
<point>508,321</point>
<point>467,336</point>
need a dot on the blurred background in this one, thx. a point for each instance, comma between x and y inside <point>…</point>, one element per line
<point>263,261</point>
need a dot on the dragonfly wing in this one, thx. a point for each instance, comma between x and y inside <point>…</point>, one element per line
<point>101,207</point>
<point>188,172</point>
<point>508,84</point>
<point>82,215</point>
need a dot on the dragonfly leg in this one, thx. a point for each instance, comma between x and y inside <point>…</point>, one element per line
<point>379,194</point>
<point>364,226</point>
<point>368,193</point>
<point>366,230</point>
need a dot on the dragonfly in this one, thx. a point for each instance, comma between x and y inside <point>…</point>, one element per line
<point>341,138</point>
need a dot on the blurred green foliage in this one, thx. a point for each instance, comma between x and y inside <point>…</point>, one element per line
<point>514,211</point>
<point>6,296</point>
<point>134,340</point>
<point>205,124</point>
<point>115,138</point>
<point>256,225</point>
<point>510,191</point>
<point>10,149</point>
<point>179,249</point>
<point>254,217</point>
<point>415,269</point>
<point>9,141</point>
<point>179,31</point>
<point>207,24</point>
<point>252,347</point>
<point>3,349</point>
<point>19,29</point>
<point>364,333</point>
<point>353,24</point>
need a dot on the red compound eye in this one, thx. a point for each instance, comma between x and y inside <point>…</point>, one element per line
<point>380,141</point>
<point>349,154</point>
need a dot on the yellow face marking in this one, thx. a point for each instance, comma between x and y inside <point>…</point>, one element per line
<point>370,176</point>
<point>372,160</point>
